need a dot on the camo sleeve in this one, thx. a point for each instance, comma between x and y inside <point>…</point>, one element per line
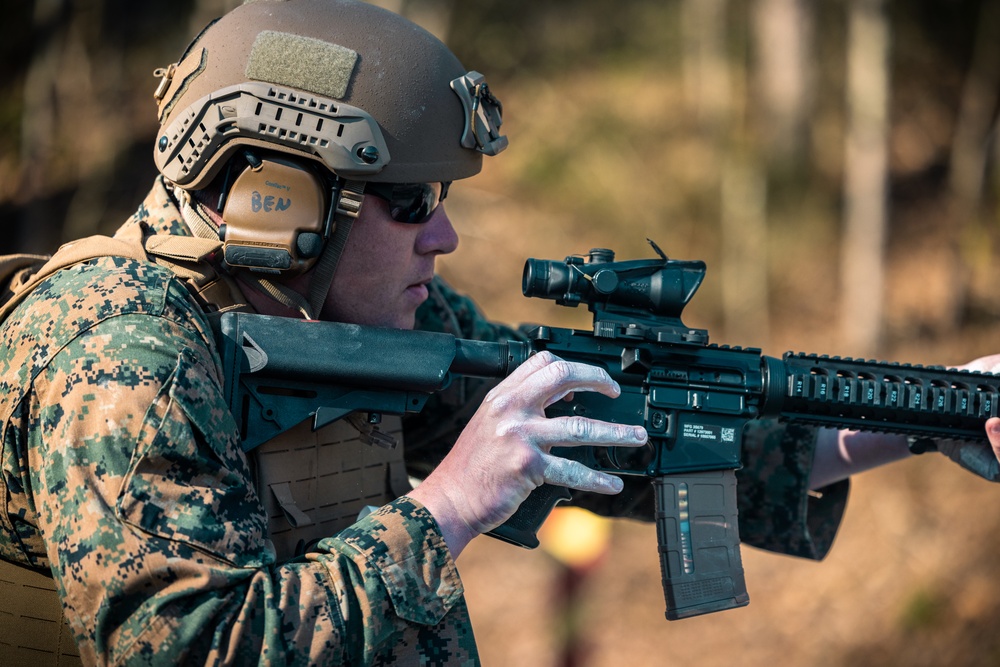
<point>778,512</point>
<point>123,449</point>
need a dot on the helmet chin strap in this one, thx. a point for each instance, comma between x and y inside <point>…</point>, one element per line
<point>201,224</point>
<point>347,207</point>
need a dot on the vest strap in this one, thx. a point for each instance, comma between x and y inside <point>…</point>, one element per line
<point>283,494</point>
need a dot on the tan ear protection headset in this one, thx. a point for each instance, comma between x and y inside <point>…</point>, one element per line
<point>277,215</point>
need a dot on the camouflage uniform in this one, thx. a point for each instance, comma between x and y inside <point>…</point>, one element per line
<point>124,477</point>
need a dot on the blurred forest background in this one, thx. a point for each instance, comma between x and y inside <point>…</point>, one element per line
<point>835,163</point>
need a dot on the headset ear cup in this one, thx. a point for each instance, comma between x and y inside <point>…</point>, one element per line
<point>275,217</point>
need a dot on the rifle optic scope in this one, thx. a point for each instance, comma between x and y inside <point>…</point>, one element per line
<point>661,287</point>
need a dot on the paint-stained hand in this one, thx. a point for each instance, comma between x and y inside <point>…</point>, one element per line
<point>505,451</point>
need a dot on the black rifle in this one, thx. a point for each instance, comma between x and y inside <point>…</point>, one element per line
<point>693,398</point>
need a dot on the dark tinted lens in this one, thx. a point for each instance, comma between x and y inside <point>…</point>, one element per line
<point>411,203</point>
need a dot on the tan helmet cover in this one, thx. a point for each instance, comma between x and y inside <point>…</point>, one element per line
<point>358,88</point>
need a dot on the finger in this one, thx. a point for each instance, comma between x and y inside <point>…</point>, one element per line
<point>576,431</point>
<point>575,475</point>
<point>993,433</point>
<point>513,383</point>
<point>988,364</point>
<point>545,379</point>
<point>555,381</point>
<point>532,365</point>
<point>511,393</point>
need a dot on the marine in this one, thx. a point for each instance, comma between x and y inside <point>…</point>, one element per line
<point>123,475</point>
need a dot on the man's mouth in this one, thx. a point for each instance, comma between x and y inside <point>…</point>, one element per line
<point>420,288</point>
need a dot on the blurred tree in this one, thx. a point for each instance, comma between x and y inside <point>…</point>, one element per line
<point>43,97</point>
<point>783,74</point>
<point>865,177</point>
<point>975,131</point>
<point>81,115</point>
<point>743,185</point>
<point>707,67</point>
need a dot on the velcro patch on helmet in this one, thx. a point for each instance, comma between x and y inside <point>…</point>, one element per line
<point>301,62</point>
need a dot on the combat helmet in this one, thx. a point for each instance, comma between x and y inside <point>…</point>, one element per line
<point>362,90</point>
<point>298,91</point>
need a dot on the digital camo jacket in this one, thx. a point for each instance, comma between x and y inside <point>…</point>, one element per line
<point>123,475</point>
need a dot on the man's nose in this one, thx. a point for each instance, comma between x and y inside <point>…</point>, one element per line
<point>437,235</point>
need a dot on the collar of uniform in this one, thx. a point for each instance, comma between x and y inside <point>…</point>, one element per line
<point>170,240</point>
<point>161,211</point>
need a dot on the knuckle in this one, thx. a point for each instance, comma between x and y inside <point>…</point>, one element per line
<point>625,433</point>
<point>529,465</point>
<point>561,371</point>
<point>546,357</point>
<point>510,428</point>
<point>579,428</point>
<point>496,402</point>
<point>579,475</point>
<point>586,479</point>
<point>500,399</point>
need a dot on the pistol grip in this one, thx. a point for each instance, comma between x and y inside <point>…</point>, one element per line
<point>522,527</point>
<point>699,543</point>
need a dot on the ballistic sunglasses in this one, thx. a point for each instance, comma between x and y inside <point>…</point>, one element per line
<point>412,203</point>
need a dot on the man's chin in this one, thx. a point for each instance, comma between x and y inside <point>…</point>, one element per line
<point>402,319</point>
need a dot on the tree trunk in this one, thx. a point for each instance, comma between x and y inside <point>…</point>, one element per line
<point>865,178</point>
<point>783,30</point>
<point>974,127</point>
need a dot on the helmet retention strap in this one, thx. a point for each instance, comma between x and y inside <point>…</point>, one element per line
<point>347,207</point>
<point>283,295</point>
<point>201,225</point>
